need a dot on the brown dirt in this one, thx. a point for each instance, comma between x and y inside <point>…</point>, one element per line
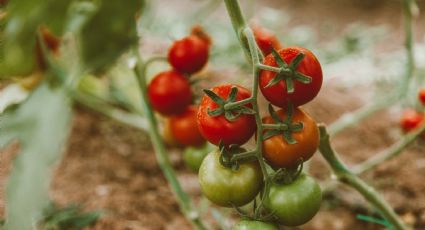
<point>108,166</point>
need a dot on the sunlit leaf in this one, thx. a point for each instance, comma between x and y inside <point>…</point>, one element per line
<point>41,125</point>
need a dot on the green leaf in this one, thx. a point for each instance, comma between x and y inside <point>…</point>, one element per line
<point>19,36</point>
<point>109,33</point>
<point>296,61</point>
<point>41,124</point>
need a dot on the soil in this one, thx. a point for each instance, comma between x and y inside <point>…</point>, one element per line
<point>112,167</point>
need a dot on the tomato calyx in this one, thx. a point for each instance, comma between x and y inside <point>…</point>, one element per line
<point>233,155</point>
<point>286,127</point>
<point>231,108</point>
<point>287,72</point>
<point>287,175</point>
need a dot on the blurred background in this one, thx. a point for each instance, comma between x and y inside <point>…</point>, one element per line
<point>360,43</point>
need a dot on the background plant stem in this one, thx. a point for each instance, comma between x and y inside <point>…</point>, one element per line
<point>161,153</point>
<point>344,175</point>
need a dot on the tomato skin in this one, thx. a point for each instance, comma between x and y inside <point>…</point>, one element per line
<point>226,187</point>
<point>411,119</point>
<point>219,128</point>
<point>421,96</point>
<point>277,94</point>
<point>254,225</point>
<point>266,40</point>
<point>185,129</point>
<point>193,156</point>
<point>296,203</point>
<point>279,154</point>
<point>167,136</point>
<point>169,93</point>
<point>189,55</point>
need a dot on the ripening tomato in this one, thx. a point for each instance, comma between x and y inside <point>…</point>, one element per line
<point>295,203</point>
<point>303,92</point>
<point>266,40</point>
<point>189,55</point>
<point>169,93</point>
<point>411,119</point>
<point>167,136</point>
<point>254,225</point>
<point>421,96</point>
<point>185,129</point>
<point>193,156</point>
<point>279,153</point>
<point>219,128</point>
<point>228,187</point>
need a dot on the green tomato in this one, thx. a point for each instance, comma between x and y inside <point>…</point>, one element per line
<point>227,187</point>
<point>296,203</point>
<point>193,156</point>
<point>254,225</point>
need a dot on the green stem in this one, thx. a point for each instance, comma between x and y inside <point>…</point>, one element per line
<point>275,126</point>
<point>408,43</point>
<point>269,68</point>
<point>121,116</point>
<point>389,153</point>
<point>344,175</point>
<point>161,153</point>
<point>350,119</point>
<point>239,24</point>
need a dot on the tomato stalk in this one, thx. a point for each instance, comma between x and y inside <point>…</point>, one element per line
<point>160,151</point>
<point>346,176</point>
<point>408,7</point>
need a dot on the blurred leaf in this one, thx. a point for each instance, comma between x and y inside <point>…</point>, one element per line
<point>110,32</point>
<point>19,35</point>
<point>70,217</point>
<point>41,124</point>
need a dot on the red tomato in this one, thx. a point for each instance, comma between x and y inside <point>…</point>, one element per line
<point>411,119</point>
<point>185,129</point>
<point>277,94</point>
<point>279,153</point>
<point>421,96</point>
<point>266,40</point>
<point>169,93</point>
<point>189,55</point>
<point>219,128</point>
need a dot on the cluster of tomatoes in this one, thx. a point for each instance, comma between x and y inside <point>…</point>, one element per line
<point>412,118</point>
<point>230,176</point>
<point>170,94</point>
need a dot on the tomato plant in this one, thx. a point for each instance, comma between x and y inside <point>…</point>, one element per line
<point>229,187</point>
<point>169,93</point>
<point>189,55</point>
<point>295,203</point>
<point>168,136</point>
<point>254,225</point>
<point>266,40</point>
<point>227,127</point>
<point>279,152</point>
<point>299,81</point>
<point>185,129</point>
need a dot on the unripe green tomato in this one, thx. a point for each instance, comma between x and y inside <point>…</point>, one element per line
<point>226,187</point>
<point>254,225</point>
<point>193,156</point>
<point>296,203</point>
